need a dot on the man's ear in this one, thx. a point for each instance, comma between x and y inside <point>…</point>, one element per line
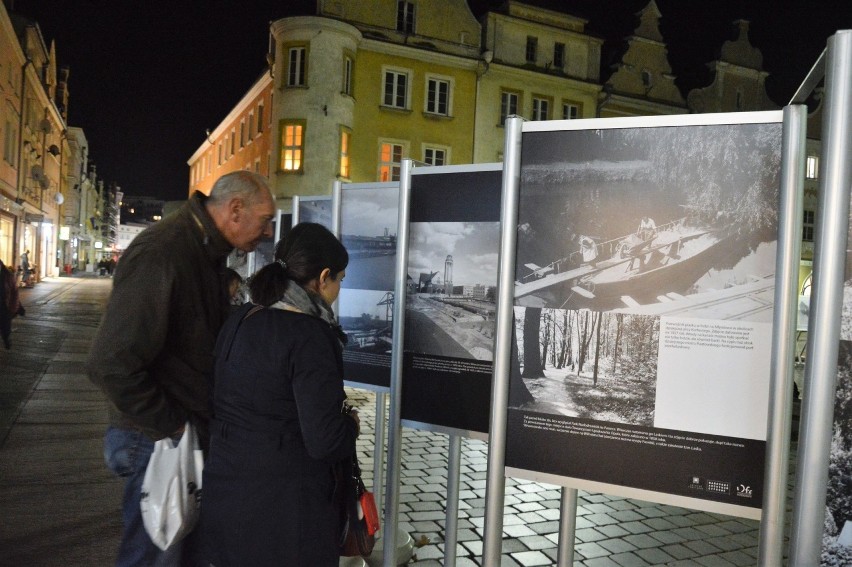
<point>235,208</point>
<point>324,276</point>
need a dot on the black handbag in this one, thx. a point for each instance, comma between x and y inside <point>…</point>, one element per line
<point>359,519</point>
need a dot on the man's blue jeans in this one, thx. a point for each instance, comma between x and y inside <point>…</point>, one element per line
<point>127,452</point>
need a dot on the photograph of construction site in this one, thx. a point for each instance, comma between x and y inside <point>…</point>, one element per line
<point>368,221</point>
<point>452,279</point>
<point>653,221</point>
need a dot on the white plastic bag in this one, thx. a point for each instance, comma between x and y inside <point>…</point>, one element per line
<point>171,489</point>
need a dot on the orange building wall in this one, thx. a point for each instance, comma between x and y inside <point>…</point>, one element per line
<point>204,167</point>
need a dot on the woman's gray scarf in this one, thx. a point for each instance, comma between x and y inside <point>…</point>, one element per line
<point>298,299</point>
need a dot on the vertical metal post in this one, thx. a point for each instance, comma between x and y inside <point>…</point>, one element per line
<point>379,449</point>
<point>295,210</point>
<point>771,542</point>
<point>394,425</point>
<point>278,214</point>
<point>336,202</point>
<point>826,303</point>
<point>567,527</point>
<point>495,483</point>
<point>336,194</point>
<point>451,526</point>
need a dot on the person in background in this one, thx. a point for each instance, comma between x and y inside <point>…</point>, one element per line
<point>26,270</point>
<point>153,353</point>
<point>234,285</point>
<point>278,430</point>
<point>10,304</point>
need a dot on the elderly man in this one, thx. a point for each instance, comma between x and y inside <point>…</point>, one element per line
<point>153,353</point>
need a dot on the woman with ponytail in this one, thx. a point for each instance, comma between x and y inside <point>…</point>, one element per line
<point>277,429</point>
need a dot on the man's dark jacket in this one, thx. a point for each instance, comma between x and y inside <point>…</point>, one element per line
<point>153,353</point>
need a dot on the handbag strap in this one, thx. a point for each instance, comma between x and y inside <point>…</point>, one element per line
<point>233,335</point>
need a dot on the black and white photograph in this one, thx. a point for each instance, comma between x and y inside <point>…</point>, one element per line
<point>315,209</point>
<point>837,534</point>
<point>367,319</point>
<point>585,364</point>
<point>368,228</point>
<point>649,220</point>
<point>452,285</point>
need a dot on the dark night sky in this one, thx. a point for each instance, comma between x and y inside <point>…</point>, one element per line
<point>147,78</point>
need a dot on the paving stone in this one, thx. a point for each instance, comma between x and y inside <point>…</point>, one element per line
<point>679,551</point>
<point>626,515</point>
<point>588,535</point>
<point>702,547</point>
<point>531,558</point>
<point>591,550</point>
<point>601,519</point>
<point>642,541</point>
<point>629,559</point>
<point>518,530</point>
<point>600,562</point>
<point>636,527</point>
<point>613,531</point>
<point>713,530</point>
<point>738,558</point>
<point>713,561</point>
<point>536,542</point>
<point>660,524</point>
<point>617,545</point>
<point>654,556</point>
<point>666,537</point>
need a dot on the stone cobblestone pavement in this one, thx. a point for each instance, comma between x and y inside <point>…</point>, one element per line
<point>60,506</point>
<point>611,531</point>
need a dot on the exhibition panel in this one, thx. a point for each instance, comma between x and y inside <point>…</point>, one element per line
<point>451,298</point>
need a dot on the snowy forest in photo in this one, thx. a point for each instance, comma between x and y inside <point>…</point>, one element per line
<point>839,497</point>
<point>588,364</point>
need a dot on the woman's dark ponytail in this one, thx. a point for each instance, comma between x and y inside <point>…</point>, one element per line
<point>300,257</point>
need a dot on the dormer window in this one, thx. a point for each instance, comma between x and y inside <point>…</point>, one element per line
<point>405,17</point>
<point>532,48</point>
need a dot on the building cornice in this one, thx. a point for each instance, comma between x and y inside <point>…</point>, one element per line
<point>420,54</point>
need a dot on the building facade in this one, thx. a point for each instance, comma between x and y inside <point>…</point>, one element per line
<point>357,87</point>
<point>240,141</point>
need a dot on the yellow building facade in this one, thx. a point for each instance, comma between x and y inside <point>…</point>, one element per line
<point>357,87</point>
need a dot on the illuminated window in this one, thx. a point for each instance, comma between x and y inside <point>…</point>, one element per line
<point>812,167</point>
<point>541,109</point>
<point>558,55</point>
<point>292,146</point>
<point>808,226</point>
<point>508,105</point>
<point>296,64</point>
<point>438,96</point>
<point>345,140</point>
<point>435,156</point>
<point>405,17</point>
<point>532,48</point>
<point>396,89</point>
<point>390,160</point>
<point>570,111</point>
<point>347,75</point>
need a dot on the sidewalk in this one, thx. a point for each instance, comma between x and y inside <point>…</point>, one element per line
<point>59,506</point>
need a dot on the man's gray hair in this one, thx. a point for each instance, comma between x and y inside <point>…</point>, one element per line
<point>244,184</point>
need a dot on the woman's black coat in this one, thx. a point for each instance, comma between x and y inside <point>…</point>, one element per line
<point>276,435</point>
